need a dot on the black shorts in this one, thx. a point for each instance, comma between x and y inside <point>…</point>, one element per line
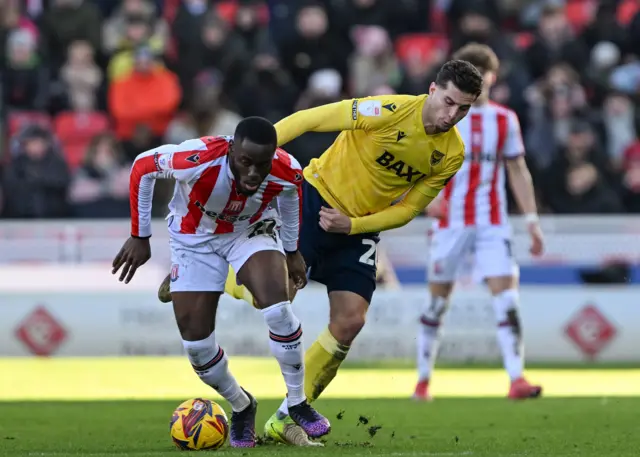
<point>341,262</point>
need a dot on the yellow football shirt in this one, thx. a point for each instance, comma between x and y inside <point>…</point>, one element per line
<point>382,153</point>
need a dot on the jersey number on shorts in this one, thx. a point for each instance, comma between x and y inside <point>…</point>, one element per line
<point>266,227</point>
<point>369,257</point>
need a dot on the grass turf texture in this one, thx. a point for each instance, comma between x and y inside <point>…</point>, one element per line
<point>603,424</point>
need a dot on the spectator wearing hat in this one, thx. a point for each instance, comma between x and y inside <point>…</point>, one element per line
<point>138,32</point>
<point>25,81</point>
<point>117,28</point>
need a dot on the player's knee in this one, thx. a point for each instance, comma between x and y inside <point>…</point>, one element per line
<point>345,326</point>
<point>192,327</point>
<point>268,296</point>
<point>440,289</point>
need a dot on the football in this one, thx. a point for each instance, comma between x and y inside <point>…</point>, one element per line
<point>199,424</point>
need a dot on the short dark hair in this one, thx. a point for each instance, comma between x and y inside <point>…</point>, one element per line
<point>462,74</point>
<point>258,130</point>
<point>480,56</point>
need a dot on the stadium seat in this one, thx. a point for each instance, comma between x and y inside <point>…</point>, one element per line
<point>227,11</point>
<point>627,9</point>
<point>422,45</point>
<point>20,119</point>
<point>74,154</point>
<point>75,131</point>
<point>580,13</point>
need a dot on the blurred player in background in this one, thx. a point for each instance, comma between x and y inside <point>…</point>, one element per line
<point>389,146</point>
<point>221,215</point>
<point>472,218</point>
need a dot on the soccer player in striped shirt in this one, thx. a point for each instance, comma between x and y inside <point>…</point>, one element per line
<point>221,215</point>
<point>472,218</point>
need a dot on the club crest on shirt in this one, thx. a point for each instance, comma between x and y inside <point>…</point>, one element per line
<point>174,272</point>
<point>234,206</point>
<point>436,157</point>
<point>162,161</point>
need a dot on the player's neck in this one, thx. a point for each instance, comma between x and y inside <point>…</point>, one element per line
<point>481,101</point>
<point>428,124</point>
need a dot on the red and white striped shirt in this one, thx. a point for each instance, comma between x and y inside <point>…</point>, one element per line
<point>205,202</point>
<point>477,195</point>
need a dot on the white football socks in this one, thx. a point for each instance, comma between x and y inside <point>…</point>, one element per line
<point>429,335</point>
<point>505,305</point>
<point>285,341</point>
<point>212,365</point>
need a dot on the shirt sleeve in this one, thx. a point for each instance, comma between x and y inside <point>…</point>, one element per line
<point>290,206</point>
<point>355,114</point>
<point>413,204</point>
<point>288,173</point>
<point>181,162</point>
<point>395,216</point>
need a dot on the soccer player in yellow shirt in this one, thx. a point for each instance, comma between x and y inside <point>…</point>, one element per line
<point>389,146</point>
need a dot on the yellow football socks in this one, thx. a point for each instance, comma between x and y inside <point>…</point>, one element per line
<point>322,360</point>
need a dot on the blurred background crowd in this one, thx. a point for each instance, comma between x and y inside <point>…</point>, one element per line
<point>86,85</point>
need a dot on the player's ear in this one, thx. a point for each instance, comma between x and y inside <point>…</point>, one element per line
<point>432,88</point>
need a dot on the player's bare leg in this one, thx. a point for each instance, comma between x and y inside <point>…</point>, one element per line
<point>504,290</point>
<point>195,315</point>
<point>429,336</point>
<point>265,275</point>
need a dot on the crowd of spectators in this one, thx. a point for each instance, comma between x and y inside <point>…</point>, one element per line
<point>86,85</point>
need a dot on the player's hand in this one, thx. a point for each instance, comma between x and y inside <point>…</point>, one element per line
<point>297,269</point>
<point>438,209</point>
<point>135,253</point>
<point>332,220</point>
<point>537,239</point>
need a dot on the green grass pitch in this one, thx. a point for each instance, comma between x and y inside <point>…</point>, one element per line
<point>121,407</point>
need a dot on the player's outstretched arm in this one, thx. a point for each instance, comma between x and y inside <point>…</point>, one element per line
<point>354,114</point>
<point>333,117</point>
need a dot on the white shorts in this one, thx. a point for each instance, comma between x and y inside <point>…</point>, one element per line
<point>204,267</point>
<point>491,247</point>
